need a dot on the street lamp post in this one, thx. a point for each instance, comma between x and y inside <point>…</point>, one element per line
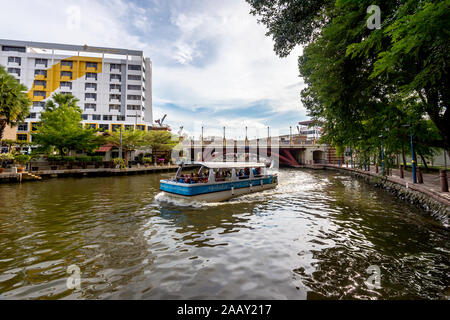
<point>120,147</point>
<point>413,158</point>
<point>382,155</point>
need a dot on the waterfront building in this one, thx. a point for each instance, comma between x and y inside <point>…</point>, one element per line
<point>114,86</point>
<point>310,129</point>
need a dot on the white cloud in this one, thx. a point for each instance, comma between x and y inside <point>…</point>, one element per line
<point>245,69</point>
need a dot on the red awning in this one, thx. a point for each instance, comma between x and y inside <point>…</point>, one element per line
<point>104,148</point>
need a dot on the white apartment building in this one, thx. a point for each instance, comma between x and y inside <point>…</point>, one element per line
<point>114,86</point>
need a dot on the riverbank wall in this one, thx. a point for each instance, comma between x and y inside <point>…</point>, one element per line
<point>437,205</point>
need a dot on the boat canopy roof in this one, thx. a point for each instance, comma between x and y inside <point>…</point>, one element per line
<point>228,165</point>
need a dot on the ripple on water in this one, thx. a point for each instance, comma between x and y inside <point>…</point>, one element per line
<point>312,237</point>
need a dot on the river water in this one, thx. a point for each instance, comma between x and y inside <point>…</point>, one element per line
<point>311,238</point>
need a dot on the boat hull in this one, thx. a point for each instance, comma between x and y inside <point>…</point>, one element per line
<point>222,195</point>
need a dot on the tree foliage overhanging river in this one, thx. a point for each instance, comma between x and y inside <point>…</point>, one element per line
<point>313,237</point>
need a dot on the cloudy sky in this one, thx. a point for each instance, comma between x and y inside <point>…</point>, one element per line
<point>213,66</point>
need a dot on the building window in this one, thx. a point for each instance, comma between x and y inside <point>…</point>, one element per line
<point>115,127</point>
<point>96,117</point>
<point>92,65</point>
<point>34,126</point>
<point>133,107</point>
<point>40,83</point>
<point>43,62</point>
<point>90,96</point>
<point>91,126</point>
<point>103,127</point>
<point>84,116</point>
<point>115,107</point>
<point>22,127</point>
<point>107,117</point>
<point>16,49</point>
<point>115,87</point>
<point>134,67</point>
<point>65,85</point>
<point>91,76</point>
<point>134,97</point>
<point>17,60</point>
<point>129,127</point>
<point>66,63</point>
<point>39,93</point>
<point>114,67</point>
<point>22,137</point>
<point>32,115</point>
<point>134,87</point>
<point>134,77</point>
<point>114,97</point>
<point>120,118</point>
<point>115,77</point>
<point>39,72</point>
<point>14,71</point>
<point>66,74</point>
<point>90,106</point>
<point>66,92</point>
<point>140,127</point>
<point>90,86</point>
<point>38,104</point>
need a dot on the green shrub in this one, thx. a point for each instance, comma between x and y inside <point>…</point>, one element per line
<point>83,158</point>
<point>6,157</point>
<point>53,158</point>
<point>69,159</point>
<point>22,159</point>
<point>97,158</point>
<point>147,160</point>
<point>120,162</point>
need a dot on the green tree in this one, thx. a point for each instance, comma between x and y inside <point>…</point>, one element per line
<point>362,81</point>
<point>161,141</point>
<point>131,140</point>
<point>60,127</point>
<point>14,103</point>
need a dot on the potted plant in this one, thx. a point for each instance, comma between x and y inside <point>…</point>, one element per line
<point>22,160</point>
<point>147,161</point>
<point>119,163</point>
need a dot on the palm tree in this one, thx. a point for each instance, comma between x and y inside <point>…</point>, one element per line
<point>14,102</point>
<point>60,99</point>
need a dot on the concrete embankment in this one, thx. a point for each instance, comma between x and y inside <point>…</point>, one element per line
<point>99,172</point>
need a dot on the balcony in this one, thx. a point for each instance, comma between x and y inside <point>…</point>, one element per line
<point>40,66</point>
<point>39,87</point>
<point>115,90</point>
<point>90,100</point>
<point>114,100</point>
<point>91,69</point>
<point>66,68</point>
<point>40,77</point>
<point>38,98</point>
<point>115,80</point>
<point>135,72</point>
<point>90,89</point>
<point>13,64</point>
<point>64,78</point>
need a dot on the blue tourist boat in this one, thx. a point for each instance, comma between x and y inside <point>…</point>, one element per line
<point>218,181</point>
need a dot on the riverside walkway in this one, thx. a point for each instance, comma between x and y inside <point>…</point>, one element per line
<point>431,185</point>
